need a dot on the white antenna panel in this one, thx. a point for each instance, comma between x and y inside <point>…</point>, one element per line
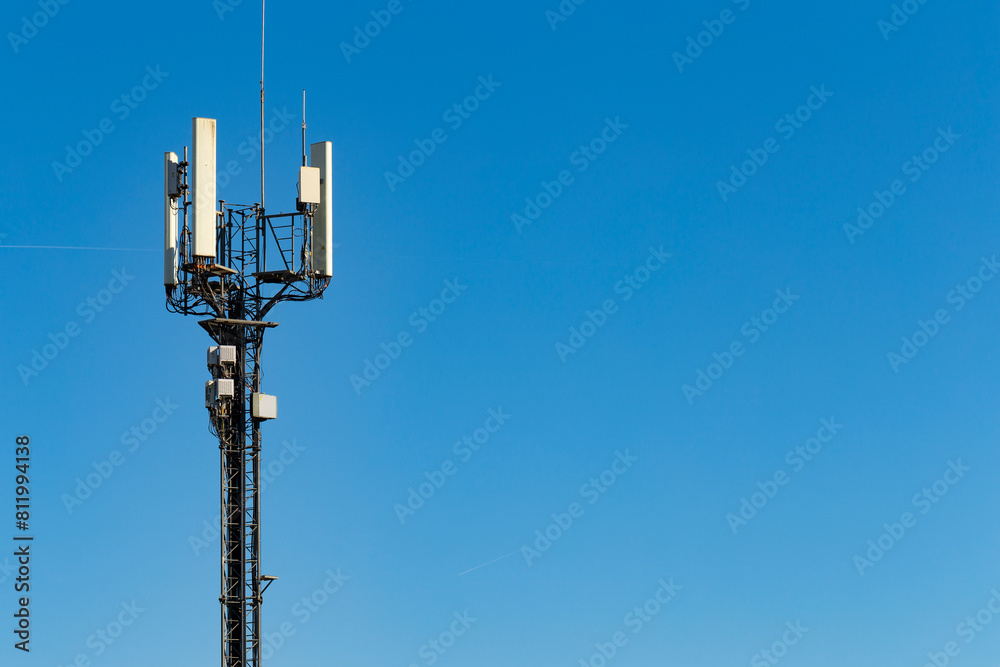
<point>203,225</point>
<point>170,193</point>
<point>309,185</point>
<point>322,230</point>
<point>264,406</point>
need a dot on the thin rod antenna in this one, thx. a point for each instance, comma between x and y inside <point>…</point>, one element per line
<point>303,127</point>
<point>262,7</point>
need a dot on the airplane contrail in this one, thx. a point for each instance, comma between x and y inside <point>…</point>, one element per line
<point>66,247</point>
<point>490,563</point>
<point>457,259</point>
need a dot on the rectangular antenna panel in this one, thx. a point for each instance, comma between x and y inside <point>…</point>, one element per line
<point>203,225</point>
<point>264,406</point>
<point>170,192</point>
<point>309,185</point>
<point>322,229</point>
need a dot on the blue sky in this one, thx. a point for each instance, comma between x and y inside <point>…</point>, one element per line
<point>596,109</point>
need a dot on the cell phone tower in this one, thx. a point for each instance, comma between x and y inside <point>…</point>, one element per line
<point>233,264</point>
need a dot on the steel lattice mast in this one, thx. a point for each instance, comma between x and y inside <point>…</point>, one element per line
<point>233,264</point>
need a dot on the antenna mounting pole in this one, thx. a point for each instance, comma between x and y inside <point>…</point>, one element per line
<point>303,127</point>
<point>262,7</point>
